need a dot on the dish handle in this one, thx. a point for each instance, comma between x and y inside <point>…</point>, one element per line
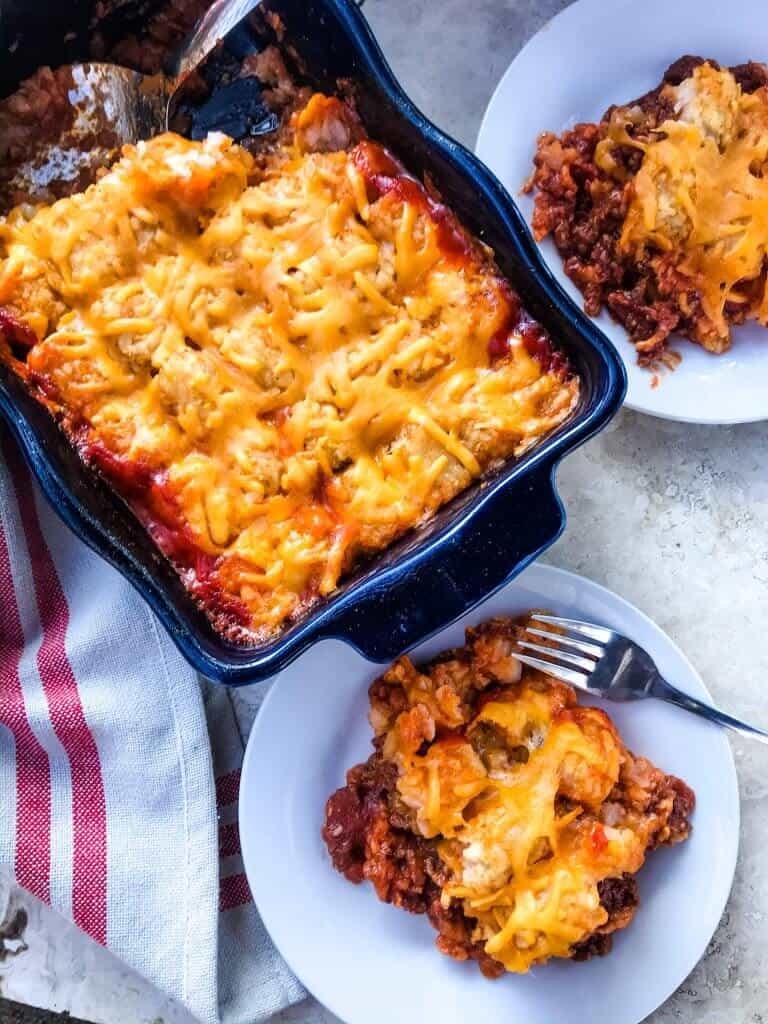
<point>518,520</point>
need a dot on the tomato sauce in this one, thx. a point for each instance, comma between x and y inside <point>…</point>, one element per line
<point>536,340</point>
<point>16,331</point>
<point>278,418</point>
<point>384,175</point>
<point>151,497</point>
<point>598,838</point>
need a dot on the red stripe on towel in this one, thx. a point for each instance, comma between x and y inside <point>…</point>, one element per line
<point>89,817</point>
<point>227,788</point>
<point>229,840</point>
<point>32,859</point>
<point>234,892</point>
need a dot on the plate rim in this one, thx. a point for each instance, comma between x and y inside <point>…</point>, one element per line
<point>573,11</point>
<point>547,572</point>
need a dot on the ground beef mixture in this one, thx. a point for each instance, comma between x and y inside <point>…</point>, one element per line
<point>620,898</point>
<point>372,835</point>
<point>583,208</point>
<point>369,837</point>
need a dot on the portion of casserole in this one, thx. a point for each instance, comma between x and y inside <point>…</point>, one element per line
<point>660,211</point>
<point>513,817</point>
<point>283,361</point>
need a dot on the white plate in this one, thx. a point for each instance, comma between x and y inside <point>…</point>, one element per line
<point>374,964</point>
<point>596,53</point>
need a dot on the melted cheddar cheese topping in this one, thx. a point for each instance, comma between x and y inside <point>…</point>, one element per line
<point>517,801</point>
<point>283,363</point>
<point>701,193</point>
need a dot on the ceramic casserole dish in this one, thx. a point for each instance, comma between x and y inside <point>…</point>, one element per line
<point>475,543</point>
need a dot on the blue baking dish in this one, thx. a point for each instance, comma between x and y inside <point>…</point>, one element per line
<point>475,544</point>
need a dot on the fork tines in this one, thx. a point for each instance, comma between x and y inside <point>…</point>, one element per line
<point>599,633</point>
<point>562,661</point>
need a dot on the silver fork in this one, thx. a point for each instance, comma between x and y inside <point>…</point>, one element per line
<point>606,664</point>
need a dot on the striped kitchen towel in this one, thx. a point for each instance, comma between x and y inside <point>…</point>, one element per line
<point>109,806</point>
<point>242,936</point>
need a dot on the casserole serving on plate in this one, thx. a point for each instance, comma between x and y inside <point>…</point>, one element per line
<point>512,816</point>
<point>476,540</point>
<point>658,210</point>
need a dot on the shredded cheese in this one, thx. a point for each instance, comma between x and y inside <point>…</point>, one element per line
<point>304,366</point>
<point>526,871</point>
<point>701,193</point>
<point>534,810</point>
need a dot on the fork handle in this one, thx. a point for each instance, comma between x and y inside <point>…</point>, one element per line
<point>665,691</point>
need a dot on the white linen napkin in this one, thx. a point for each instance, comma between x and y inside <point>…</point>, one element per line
<point>108,795</point>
